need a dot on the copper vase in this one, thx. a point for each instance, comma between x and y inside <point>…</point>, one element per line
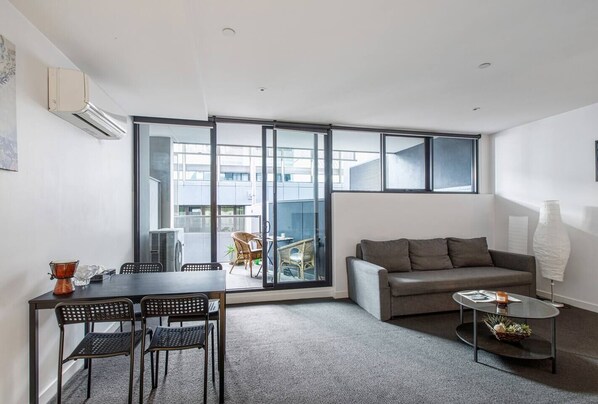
<point>63,272</point>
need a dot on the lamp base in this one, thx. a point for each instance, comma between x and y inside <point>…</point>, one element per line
<point>551,301</point>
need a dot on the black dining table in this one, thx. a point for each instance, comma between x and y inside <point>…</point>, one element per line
<point>134,287</point>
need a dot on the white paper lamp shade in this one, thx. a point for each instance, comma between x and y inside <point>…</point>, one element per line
<point>551,242</point>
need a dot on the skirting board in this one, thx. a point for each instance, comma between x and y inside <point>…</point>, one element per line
<point>572,302</point>
<point>278,295</point>
<point>68,371</point>
<point>288,294</point>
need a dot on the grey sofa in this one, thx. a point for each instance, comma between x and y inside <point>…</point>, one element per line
<point>402,277</point>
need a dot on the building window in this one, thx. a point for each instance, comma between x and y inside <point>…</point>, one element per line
<point>406,163</point>
<point>410,162</point>
<point>279,177</point>
<point>356,161</point>
<point>430,164</point>
<point>234,176</point>
<point>453,165</point>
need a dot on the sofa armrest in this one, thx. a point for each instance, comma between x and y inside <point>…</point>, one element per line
<point>369,288</point>
<point>516,262</point>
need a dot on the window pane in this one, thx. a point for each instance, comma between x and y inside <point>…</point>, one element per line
<point>239,167</point>
<point>453,163</point>
<point>174,192</point>
<point>357,156</point>
<point>405,162</point>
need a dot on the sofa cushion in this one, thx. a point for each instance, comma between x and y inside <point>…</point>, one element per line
<point>472,252</point>
<point>392,255</point>
<point>419,283</point>
<point>429,254</point>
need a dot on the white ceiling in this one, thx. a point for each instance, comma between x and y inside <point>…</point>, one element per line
<point>403,64</point>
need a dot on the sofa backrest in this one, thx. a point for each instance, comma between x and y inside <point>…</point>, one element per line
<point>461,252</point>
<point>358,252</point>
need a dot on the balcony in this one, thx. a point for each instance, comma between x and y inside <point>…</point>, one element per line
<point>198,241</point>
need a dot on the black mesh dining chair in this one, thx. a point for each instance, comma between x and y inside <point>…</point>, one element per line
<point>98,344</point>
<point>214,307</point>
<point>176,338</point>
<point>140,268</point>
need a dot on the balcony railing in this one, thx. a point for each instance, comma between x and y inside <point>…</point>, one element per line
<point>198,229</point>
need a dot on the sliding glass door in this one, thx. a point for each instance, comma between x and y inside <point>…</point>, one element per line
<point>253,198</point>
<point>295,208</point>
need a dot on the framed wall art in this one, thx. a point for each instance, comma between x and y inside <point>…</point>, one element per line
<point>8,105</point>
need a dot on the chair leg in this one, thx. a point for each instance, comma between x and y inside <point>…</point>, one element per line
<point>59,381</point>
<point>166,364</point>
<point>213,373</point>
<point>251,268</point>
<point>156,373</point>
<point>141,372</point>
<point>89,379</point>
<point>205,373</point>
<point>121,326</point>
<point>152,367</point>
<point>131,371</point>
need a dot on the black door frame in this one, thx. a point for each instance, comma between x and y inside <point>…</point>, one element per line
<point>326,133</point>
<point>212,124</point>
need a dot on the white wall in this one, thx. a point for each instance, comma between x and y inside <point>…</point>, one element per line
<point>554,158</point>
<point>71,198</point>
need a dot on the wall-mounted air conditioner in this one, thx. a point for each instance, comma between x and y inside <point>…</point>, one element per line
<point>75,98</point>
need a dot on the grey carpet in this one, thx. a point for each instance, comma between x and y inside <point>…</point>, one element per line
<point>335,352</point>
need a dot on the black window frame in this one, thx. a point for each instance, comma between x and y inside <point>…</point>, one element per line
<point>429,160</point>
<point>427,164</point>
<point>474,167</point>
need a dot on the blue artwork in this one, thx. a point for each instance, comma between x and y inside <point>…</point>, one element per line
<point>8,105</point>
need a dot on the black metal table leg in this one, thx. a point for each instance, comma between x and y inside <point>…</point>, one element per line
<point>222,345</point>
<point>475,335</point>
<point>553,345</point>
<point>461,313</point>
<point>33,355</point>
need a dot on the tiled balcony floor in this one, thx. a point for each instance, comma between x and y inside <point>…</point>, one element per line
<point>239,278</point>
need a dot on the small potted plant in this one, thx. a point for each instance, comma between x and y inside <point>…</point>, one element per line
<point>232,251</point>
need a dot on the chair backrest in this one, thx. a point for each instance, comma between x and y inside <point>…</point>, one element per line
<point>202,266</point>
<point>172,305</point>
<point>242,240</point>
<point>141,267</point>
<point>95,311</point>
<point>309,248</point>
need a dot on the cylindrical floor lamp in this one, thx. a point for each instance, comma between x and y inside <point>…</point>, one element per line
<point>551,245</point>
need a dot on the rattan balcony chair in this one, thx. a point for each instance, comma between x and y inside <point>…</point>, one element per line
<point>248,247</point>
<point>177,338</point>
<point>98,344</point>
<point>214,307</point>
<point>140,268</point>
<point>299,254</point>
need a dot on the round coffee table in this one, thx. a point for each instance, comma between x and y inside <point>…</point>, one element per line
<point>479,336</point>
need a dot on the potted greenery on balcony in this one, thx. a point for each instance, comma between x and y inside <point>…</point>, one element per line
<point>232,251</point>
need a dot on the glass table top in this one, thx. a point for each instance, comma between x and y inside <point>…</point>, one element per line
<point>527,308</point>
